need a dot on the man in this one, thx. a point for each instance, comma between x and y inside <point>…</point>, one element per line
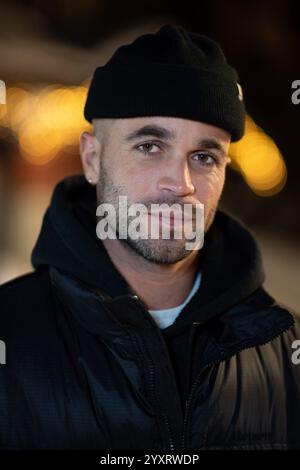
<point>140,343</point>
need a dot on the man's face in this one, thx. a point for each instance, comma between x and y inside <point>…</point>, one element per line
<point>160,160</point>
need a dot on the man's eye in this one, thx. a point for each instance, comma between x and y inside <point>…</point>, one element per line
<point>205,159</point>
<point>146,148</point>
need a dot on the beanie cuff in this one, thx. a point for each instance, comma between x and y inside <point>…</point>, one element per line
<point>120,91</point>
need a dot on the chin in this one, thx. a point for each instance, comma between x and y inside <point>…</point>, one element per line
<point>160,251</point>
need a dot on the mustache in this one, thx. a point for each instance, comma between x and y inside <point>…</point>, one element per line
<point>170,202</point>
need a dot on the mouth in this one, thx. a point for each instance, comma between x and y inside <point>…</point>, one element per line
<point>170,219</point>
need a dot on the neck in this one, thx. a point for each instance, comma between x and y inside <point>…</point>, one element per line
<point>159,286</point>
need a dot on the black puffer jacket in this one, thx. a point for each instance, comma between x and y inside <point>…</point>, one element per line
<point>87,367</point>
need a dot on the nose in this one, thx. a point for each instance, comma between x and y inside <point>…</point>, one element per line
<point>178,180</point>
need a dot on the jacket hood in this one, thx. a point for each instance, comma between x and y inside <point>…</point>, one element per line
<point>230,260</point>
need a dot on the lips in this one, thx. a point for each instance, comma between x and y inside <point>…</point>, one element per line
<point>171,215</point>
<point>171,219</point>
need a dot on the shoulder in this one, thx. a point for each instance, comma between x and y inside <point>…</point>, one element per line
<point>292,335</point>
<point>30,329</point>
<point>275,325</point>
<point>262,301</point>
<point>24,300</point>
<point>23,285</point>
<point>286,348</point>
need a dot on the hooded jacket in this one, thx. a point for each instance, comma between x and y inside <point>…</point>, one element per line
<point>87,366</point>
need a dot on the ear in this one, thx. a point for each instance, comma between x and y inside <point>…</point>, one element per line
<point>89,147</point>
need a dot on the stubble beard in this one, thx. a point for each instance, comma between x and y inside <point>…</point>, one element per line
<point>159,251</point>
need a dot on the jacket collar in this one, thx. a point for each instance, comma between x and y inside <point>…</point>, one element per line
<point>254,322</point>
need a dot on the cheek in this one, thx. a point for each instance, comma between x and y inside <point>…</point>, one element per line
<point>137,178</point>
<point>209,187</point>
<point>133,182</point>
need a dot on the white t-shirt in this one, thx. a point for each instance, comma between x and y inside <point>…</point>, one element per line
<point>166,317</point>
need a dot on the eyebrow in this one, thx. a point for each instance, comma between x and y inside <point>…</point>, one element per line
<point>163,133</point>
<point>151,130</point>
<point>212,144</point>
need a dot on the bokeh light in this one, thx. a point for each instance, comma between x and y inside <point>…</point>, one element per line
<point>45,120</point>
<point>259,160</point>
<point>50,119</point>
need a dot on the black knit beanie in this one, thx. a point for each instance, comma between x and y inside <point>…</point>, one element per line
<point>172,72</point>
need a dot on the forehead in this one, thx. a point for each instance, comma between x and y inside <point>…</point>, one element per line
<point>175,127</point>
